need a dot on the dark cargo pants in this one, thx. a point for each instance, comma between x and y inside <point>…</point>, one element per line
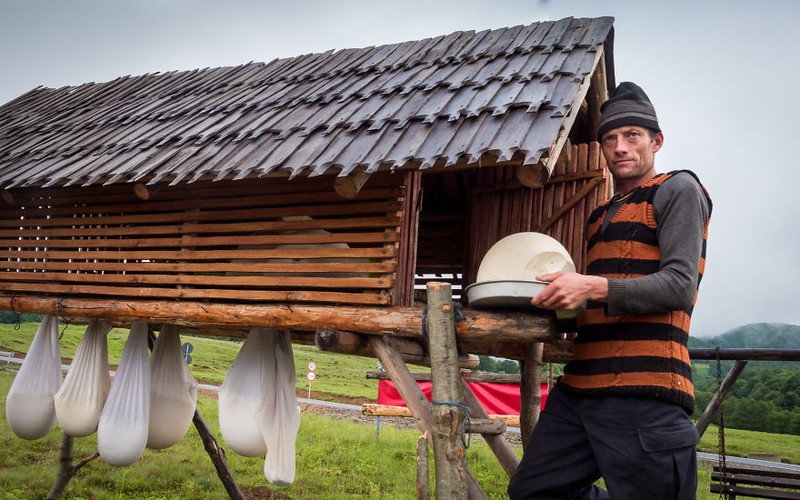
<point>642,448</point>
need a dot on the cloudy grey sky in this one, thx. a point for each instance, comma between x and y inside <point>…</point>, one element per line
<point>722,75</point>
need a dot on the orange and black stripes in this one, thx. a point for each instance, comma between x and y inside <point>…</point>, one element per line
<point>643,355</point>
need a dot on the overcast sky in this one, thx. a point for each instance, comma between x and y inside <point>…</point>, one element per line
<point>723,76</point>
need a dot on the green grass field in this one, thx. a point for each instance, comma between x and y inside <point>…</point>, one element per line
<point>335,458</point>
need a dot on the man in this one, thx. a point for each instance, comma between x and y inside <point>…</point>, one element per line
<point>621,410</point>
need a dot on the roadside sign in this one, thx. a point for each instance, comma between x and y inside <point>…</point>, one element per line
<point>186,349</point>
<point>311,376</point>
<point>312,366</point>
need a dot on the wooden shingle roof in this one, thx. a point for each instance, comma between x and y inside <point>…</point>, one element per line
<point>503,92</point>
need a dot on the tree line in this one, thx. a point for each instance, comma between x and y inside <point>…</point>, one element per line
<point>764,398</point>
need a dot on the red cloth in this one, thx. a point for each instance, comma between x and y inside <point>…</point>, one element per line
<point>496,399</point>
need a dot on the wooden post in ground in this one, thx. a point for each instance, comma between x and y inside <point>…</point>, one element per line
<point>413,396</point>
<point>530,390</point>
<point>423,490</point>
<point>447,395</point>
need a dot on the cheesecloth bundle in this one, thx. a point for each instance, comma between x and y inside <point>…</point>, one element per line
<point>258,413</point>
<point>30,411</point>
<point>122,430</point>
<point>173,395</point>
<point>80,400</point>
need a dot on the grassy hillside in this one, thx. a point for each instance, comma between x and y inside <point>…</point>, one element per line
<point>335,458</point>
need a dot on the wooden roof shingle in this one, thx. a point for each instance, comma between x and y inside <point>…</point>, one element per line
<point>502,92</point>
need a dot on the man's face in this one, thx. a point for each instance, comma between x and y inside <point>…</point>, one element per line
<point>630,152</point>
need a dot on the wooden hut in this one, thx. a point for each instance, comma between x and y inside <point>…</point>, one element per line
<point>314,193</point>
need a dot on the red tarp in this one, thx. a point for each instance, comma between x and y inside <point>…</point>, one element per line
<point>496,399</point>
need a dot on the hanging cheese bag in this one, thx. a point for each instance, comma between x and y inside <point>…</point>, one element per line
<point>281,415</point>
<point>123,426</point>
<point>241,395</point>
<point>173,394</point>
<point>30,411</point>
<point>80,400</point>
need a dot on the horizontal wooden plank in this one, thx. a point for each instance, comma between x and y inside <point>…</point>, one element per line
<point>285,204</point>
<point>754,492</point>
<point>197,293</point>
<point>212,255</point>
<point>249,267</point>
<point>237,281</point>
<point>206,241</point>
<point>189,228</point>
<point>212,213</point>
<point>200,190</point>
<point>756,480</point>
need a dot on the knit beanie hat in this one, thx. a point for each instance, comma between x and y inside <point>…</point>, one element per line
<point>628,105</point>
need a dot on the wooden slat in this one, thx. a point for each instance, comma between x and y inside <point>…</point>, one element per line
<point>211,255</point>
<point>233,227</point>
<point>193,293</point>
<point>249,267</point>
<point>120,215</point>
<point>206,241</point>
<point>261,281</point>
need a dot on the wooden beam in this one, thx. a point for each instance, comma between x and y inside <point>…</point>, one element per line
<point>479,326</point>
<point>447,395</point>
<point>141,191</point>
<point>378,410</point>
<point>412,395</point>
<point>495,378</point>
<point>348,187</point>
<point>532,176</point>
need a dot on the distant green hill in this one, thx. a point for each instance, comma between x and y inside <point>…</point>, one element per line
<point>772,335</point>
<point>757,335</point>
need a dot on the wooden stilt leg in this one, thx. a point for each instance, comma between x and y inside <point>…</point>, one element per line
<point>530,390</point>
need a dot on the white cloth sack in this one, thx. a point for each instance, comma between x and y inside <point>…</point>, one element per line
<point>281,418</point>
<point>173,394</point>
<point>241,396</point>
<point>30,411</point>
<point>122,430</point>
<point>80,400</point>
<point>258,411</point>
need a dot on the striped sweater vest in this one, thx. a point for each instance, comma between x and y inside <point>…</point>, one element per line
<point>644,355</point>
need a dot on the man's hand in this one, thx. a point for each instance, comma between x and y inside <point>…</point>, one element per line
<point>570,291</point>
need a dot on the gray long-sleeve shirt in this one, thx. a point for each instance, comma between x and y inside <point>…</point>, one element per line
<point>681,209</point>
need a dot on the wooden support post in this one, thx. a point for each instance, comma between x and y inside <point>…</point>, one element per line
<point>423,489</point>
<point>412,395</point>
<point>447,395</point>
<point>530,390</point>
<point>409,390</point>
<point>719,397</point>
<point>497,443</point>
<point>218,458</point>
